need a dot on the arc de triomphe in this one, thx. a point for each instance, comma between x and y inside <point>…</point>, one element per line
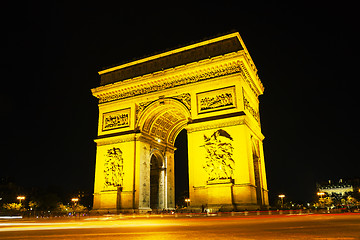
<point>211,89</point>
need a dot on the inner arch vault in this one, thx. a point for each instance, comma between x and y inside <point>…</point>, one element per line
<point>164,119</point>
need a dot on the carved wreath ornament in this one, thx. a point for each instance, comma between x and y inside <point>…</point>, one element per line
<point>113,168</point>
<point>219,150</point>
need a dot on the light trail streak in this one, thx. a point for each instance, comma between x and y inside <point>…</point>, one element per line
<point>6,227</point>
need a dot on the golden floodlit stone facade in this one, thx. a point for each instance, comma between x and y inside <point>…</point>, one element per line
<point>209,88</point>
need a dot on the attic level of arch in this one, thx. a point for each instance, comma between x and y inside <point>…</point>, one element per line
<point>170,59</point>
<point>150,84</point>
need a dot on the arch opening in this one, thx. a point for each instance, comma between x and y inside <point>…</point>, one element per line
<point>181,169</point>
<point>157,181</point>
<point>160,123</point>
<point>164,119</point>
<point>154,182</point>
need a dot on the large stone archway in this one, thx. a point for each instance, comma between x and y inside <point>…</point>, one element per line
<point>211,89</point>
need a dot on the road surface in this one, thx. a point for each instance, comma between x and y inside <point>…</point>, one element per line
<point>313,226</point>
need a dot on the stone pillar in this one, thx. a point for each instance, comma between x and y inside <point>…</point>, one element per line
<point>170,180</point>
<point>144,176</point>
<point>162,189</point>
<point>117,188</point>
<point>221,166</point>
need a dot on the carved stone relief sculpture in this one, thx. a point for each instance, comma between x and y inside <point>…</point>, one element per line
<point>116,119</point>
<point>219,150</point>
<point>113,168</point>
<point>216,100</point>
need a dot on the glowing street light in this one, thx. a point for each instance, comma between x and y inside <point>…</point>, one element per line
<point>75,200</point>
<point>20,198</point>
<point>187,200</point>
<point>320,194</point>
<point>321,200</point>
<point>281,196</point>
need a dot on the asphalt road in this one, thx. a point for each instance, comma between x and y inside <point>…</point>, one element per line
<point>316,226</point>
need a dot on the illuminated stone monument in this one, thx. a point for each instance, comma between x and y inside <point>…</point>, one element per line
<point>209,88</point>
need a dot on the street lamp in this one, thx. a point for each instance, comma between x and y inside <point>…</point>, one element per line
<point>320,194</point>
<point>281,196</point>
<point>321,200</point>
<point>20,198</point>
<point>187,200</point>
<point>75,200</point>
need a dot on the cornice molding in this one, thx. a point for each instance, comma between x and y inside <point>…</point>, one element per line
<point>213,125</point>
<point>248,79</point>
<point>216,124</point>
<point>116,139</point>
<point>226,68</point>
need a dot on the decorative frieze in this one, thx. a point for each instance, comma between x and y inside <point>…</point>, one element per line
<point>248,79</point>
<point>252,110</point>
<point>140,108</point>
<point>216,100</point>
<point>170,82</point>
<point>185,98</point>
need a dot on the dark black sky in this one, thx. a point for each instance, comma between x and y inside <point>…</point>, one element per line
<point>52,51</point>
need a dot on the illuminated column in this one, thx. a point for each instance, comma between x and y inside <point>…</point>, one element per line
<point>263,174</point>
<point>170,179</point>
<point>162,187</point>
<point>144,176</point>
<point>164,171</point>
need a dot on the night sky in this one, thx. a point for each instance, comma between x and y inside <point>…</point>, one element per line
<point>51,53</point>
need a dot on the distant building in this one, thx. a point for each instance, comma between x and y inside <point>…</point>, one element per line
<point>339,188</point>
